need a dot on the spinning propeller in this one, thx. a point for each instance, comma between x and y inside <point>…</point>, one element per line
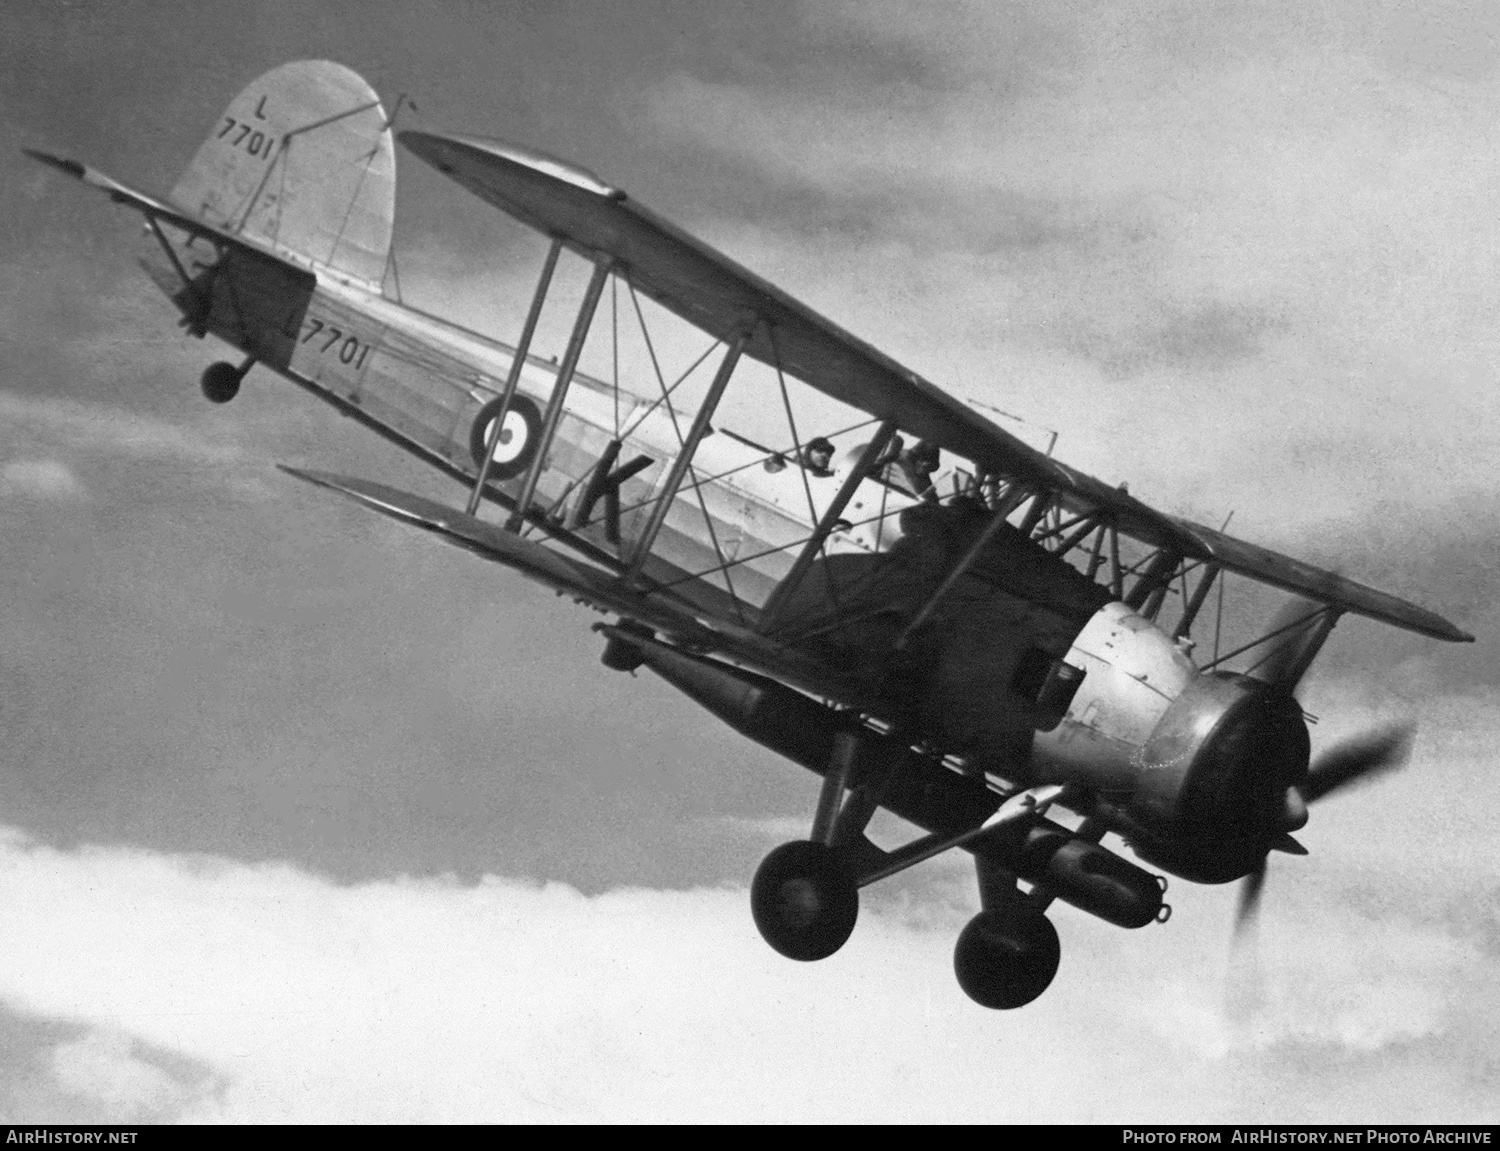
<point>1299,631</point>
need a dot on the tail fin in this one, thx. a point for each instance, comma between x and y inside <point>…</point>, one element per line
<point>302,160</point>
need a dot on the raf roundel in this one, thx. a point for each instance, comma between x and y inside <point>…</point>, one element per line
<point>518,439</point>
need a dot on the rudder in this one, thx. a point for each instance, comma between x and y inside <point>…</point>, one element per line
<point>302,161</point>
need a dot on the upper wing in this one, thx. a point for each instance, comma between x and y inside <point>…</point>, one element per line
<point>714,293</point>
<point>1293,575</point>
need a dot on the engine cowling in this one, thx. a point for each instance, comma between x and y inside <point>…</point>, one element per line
<point>1199,765</point>
<point>1214,778</point>
<point>1132,675</point>
<point>1226,749</point>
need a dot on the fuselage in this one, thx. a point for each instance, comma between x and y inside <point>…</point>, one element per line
<point>736,525</point>
<point>972,679</point>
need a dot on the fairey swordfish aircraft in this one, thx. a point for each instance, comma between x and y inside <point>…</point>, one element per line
<point>931,614</point>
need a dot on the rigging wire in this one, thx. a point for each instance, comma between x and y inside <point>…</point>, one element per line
<point>1219,614</point>
<point>614,339</point>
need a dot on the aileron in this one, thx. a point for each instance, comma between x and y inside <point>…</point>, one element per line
<point>1303,579</point>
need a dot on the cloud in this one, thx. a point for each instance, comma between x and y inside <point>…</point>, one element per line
<point>94,426</point>
<point>1257,244</point>
<point>201,988</point>
<point>44,479</point>
<point>106,1067</point>
<point>116,440</point>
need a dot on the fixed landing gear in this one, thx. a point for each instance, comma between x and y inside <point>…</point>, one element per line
<point>805,896</point>
<point>221,381</point>
<point>806,901</point>
<point>1007,956</point>
<point>803,900</point>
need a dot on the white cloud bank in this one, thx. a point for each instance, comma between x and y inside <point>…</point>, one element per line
<point>45,479</point>
<point>203,989</point>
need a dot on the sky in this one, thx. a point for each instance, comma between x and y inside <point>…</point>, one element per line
<point>306,818</point>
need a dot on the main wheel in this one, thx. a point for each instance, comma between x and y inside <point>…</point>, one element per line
<point>803,901</point>
<point>221,382</point>
<point>1006,958</point>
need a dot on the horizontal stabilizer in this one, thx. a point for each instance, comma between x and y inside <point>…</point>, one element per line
<point>124,194</point>
<point>158,210</point>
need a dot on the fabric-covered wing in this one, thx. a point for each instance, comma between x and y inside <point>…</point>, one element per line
<point>1293,575</point>
<point>716,294</point>
<point>592,585</point>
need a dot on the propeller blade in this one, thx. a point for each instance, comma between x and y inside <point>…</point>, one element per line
<point>1360,758</point>
<point>1250,889</point>
<point>1253,884</point>
<point>1293,810</point>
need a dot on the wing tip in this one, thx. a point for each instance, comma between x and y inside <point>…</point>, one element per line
<point>61,163</point>
<point>1436,627</point>
<point>1430,625</point>
<point>320,479</point>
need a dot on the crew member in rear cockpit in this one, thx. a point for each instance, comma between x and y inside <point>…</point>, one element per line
<point>917,464</point>
<point>817,457</point>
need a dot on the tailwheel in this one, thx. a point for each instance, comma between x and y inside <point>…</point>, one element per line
<point>1007,956</point>
<point>803,900</point>
<point>221,381</point>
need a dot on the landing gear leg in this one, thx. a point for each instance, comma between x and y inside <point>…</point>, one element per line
<point>221,381</point>
<point>1009,952</point>
<point>804,901</point>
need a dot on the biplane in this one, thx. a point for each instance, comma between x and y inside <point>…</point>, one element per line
<point>919,606</point>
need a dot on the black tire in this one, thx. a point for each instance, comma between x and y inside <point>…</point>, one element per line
<point>221,382</point>
<point>512,456</point>
<point>803,901</point>
<point>1005,959</point>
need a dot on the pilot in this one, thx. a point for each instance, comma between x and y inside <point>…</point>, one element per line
<point>817,457</point>
<point>917,465</point>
